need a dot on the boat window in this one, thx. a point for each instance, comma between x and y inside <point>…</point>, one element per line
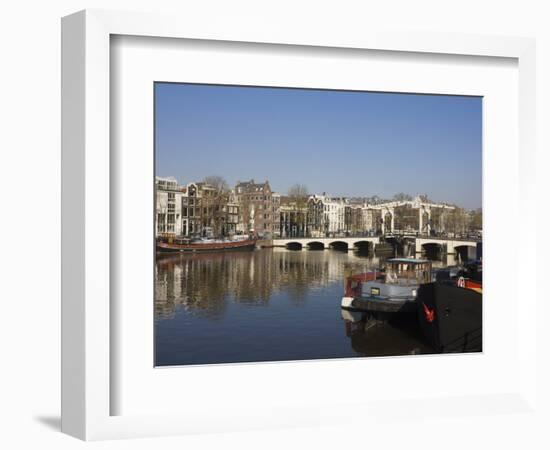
<point>391,277</point>
<point>407,273</point>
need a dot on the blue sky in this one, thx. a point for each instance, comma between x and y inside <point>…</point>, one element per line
<point>340,142</point>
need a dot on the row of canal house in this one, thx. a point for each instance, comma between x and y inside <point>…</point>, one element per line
<point>194,209</point>
<point>200,209</point>
<point>322,215</point>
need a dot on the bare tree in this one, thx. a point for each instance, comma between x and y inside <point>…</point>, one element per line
<point>298,192</point>
<point>374,200</point>
<point>215,199</point>
<point>424,198</point>
<point>247,213</point>
<point>476,222</point>
<point>402,197</point>
<point>456,220</point>
<point>217,182</point>
<point>298,195</point>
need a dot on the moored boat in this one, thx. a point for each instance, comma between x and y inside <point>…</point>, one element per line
<point>450,310</point>
<point>392,290</point>
<point>468,275</point>
<point>186,245</point>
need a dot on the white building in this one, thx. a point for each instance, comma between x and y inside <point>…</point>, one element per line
<point>168,206</point>
<point>359,218</point>
<point>326,215</point>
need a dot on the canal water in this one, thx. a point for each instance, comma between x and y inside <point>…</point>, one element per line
<point>266,305</point>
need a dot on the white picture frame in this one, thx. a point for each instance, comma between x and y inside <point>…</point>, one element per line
<point>87,327</point>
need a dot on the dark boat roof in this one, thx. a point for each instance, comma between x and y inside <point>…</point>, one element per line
<point>408,260</point>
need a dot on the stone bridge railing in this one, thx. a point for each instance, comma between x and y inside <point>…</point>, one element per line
<point>448,246</point>
<point>351,243</point>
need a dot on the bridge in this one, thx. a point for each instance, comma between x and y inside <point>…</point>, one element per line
<point>337,243</point>
<point>466,248</point>
<point>448,246</point>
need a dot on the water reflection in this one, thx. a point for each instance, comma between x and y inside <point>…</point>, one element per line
<point>265,305</point>
<point>202,283</point>
<point>369,338</point>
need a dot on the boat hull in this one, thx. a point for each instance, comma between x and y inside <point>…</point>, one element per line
<point>247,245</point>
<point>377,296</point>
<point>450,317</point>
<point>381,305</point>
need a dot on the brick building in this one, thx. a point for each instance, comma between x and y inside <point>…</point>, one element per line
<point>255,202</point>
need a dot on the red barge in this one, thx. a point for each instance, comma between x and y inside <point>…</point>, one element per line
<point>186,245</point>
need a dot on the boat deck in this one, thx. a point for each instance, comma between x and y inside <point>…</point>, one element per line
<point>382,305</point>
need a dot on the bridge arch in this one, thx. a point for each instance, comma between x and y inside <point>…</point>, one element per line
<point>293,245</point>
<point>315,245</point>
<point>339,245</point>
<point>363,246</point>
<point>465,251</point>
<point>432,250</point>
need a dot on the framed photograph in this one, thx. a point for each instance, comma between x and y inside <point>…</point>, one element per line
<point>253,271</point>
<point>258,222</point>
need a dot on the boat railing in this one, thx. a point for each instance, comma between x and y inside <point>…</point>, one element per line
<point>461,343</point>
